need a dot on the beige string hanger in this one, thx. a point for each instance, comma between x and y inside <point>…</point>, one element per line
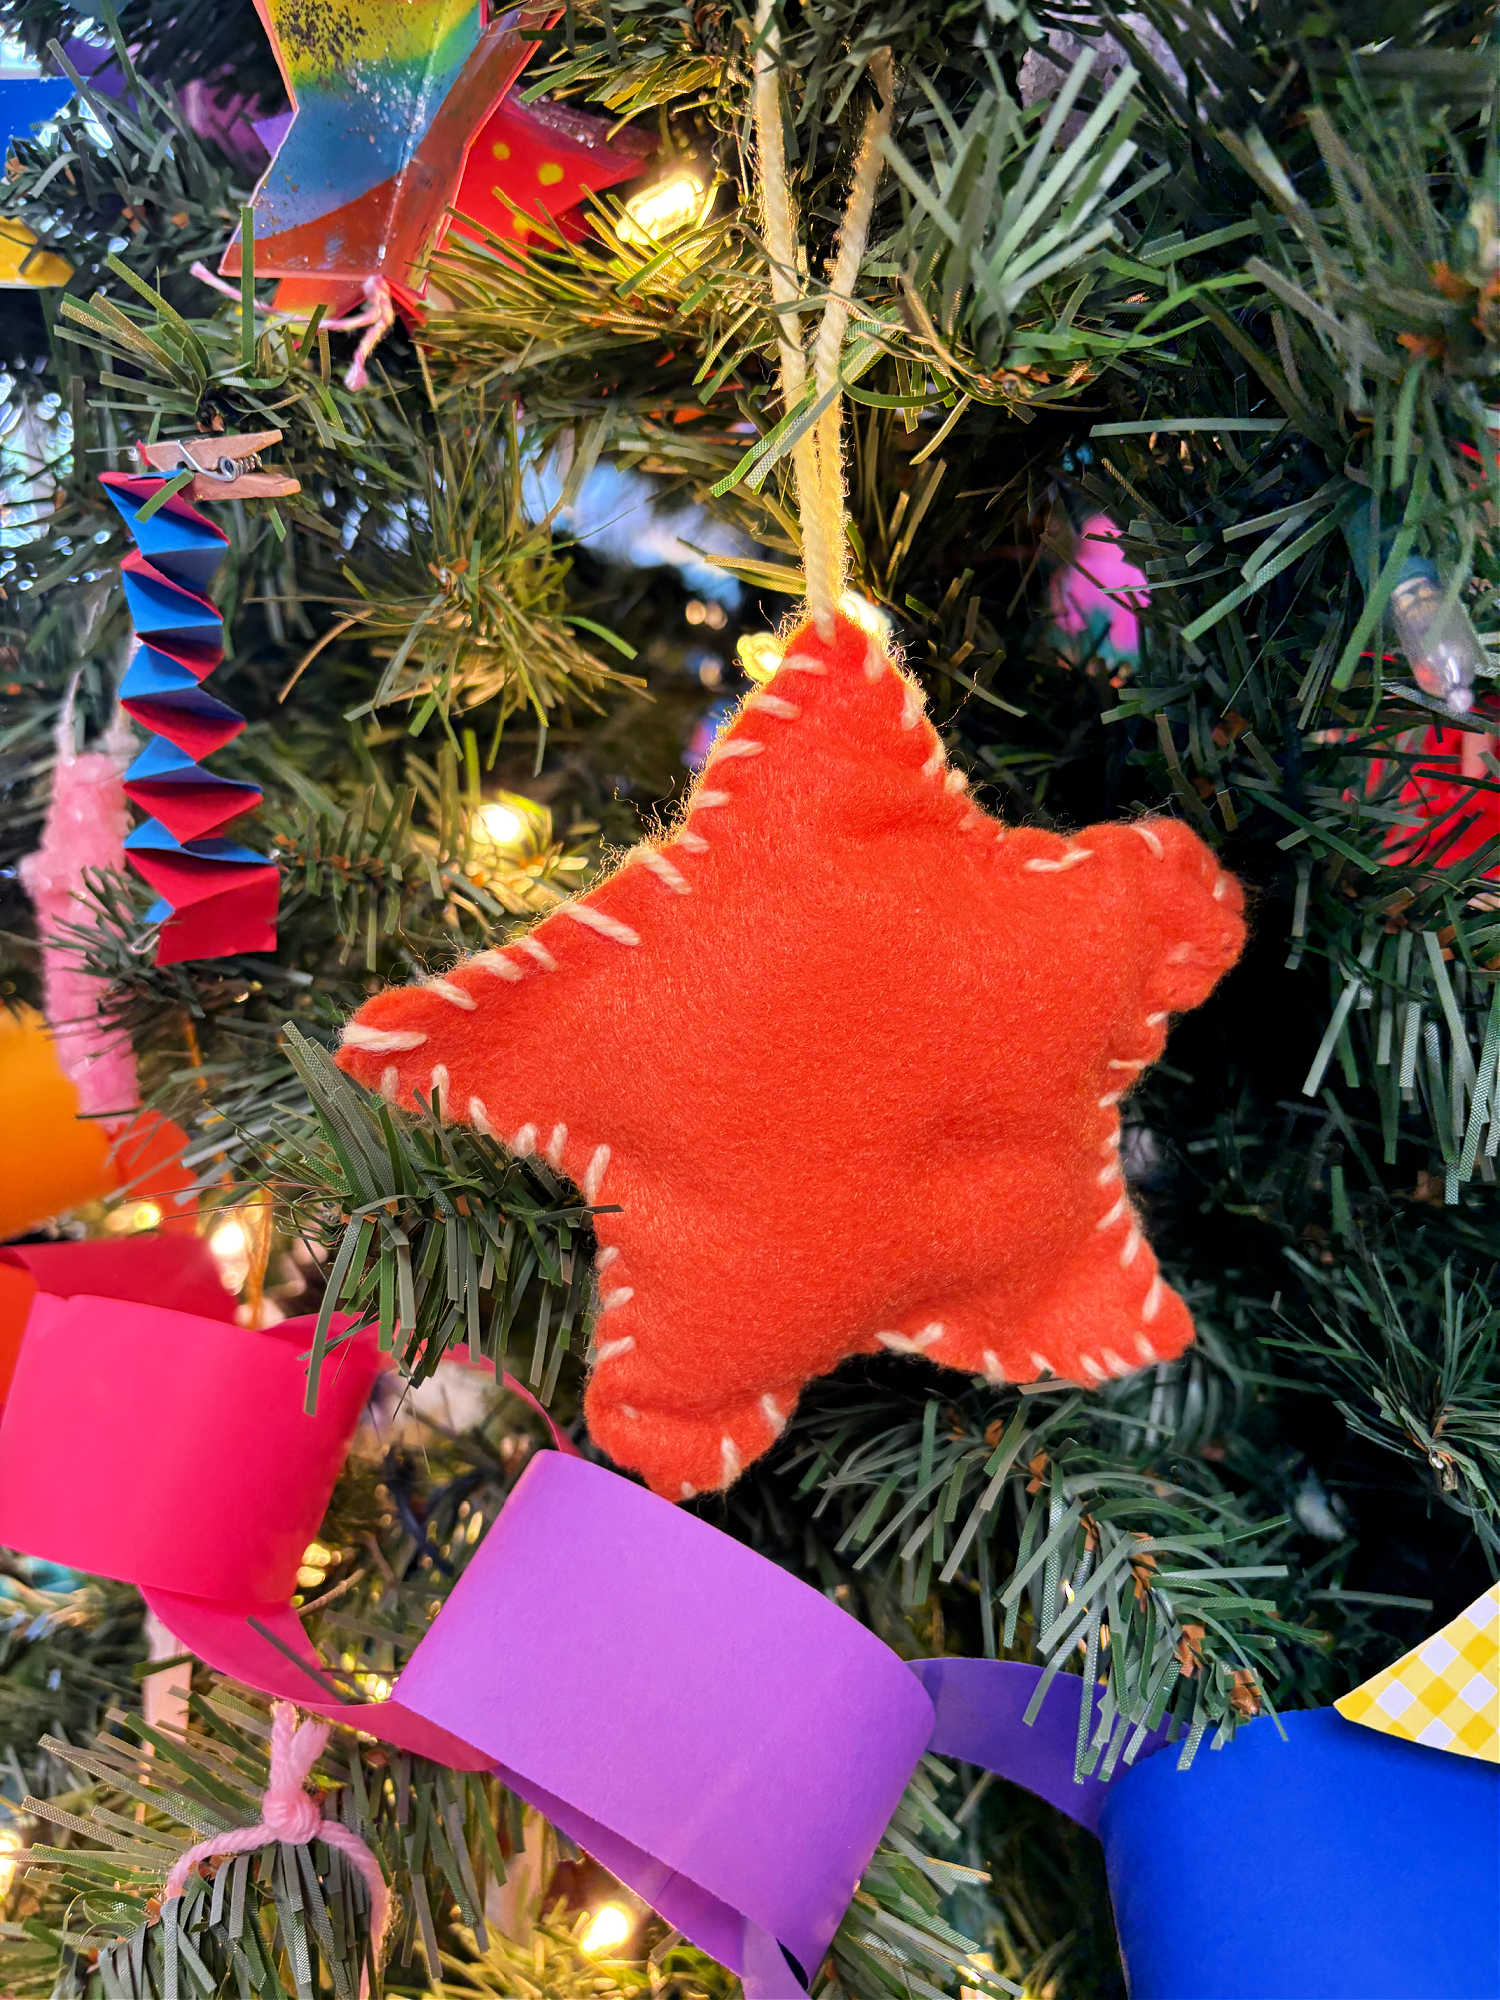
<point>818,455</point>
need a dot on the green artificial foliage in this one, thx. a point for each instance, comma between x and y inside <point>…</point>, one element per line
<point>1228,274</point>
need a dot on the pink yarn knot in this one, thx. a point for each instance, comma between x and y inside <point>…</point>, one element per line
<point>289,1812</point>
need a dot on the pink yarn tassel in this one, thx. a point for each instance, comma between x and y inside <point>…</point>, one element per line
<point>288,1812</point>
<point>85,828</point>
<point>382,310</point>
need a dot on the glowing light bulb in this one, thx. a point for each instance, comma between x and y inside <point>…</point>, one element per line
<point>665,208</point>
<point>132,1217</point>
<point>508,829</point>
<point>1444,651</point>
<point>610,1925</point>
<point>501,825</point>
<point>11,1844</point>
<point>229,1245</point>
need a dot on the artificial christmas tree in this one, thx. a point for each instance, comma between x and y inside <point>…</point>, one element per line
<point>1223,277</point>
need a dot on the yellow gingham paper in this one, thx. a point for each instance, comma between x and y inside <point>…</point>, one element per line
<point>1444,1693</point>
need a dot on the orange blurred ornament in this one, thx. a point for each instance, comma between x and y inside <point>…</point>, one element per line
<point>56,1160</point>
<point>66,1160</point>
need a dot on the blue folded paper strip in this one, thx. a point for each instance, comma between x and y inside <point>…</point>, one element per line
<point>214,896</point>
<point>165,697</point>
<point>1307,1859</point>
<point>29,101</point>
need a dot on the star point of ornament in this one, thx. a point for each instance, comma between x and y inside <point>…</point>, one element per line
<point>843,1057</point>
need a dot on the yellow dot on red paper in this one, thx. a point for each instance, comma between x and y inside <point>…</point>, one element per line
<point>500,150</point>
<point>549,173</point>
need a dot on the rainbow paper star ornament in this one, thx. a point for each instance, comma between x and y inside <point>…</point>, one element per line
<point>388,96</point>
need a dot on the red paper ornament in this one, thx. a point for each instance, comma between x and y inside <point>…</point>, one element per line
<point>1456,815</point>
<point>542,160</point>
<point>846,1055</point>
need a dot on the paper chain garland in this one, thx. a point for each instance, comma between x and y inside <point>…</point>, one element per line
<point>740,1776</point>
<point>217,897</point>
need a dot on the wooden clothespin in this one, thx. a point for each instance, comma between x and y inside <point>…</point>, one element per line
<point>225,468</point>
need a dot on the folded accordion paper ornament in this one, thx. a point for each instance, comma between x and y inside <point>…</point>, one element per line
<point>216,896</point>
<point>737,1773</point>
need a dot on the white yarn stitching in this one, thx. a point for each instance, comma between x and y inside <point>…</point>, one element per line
<point>497,963</point>
<point>596,920</point>
<point>1070,858</point>
<point>912,1343</point>
<point>663,870</point>
<point>445,989</point>
<point>380,1041</point>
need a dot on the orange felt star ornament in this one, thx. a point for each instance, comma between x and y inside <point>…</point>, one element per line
<point>847,1056</point>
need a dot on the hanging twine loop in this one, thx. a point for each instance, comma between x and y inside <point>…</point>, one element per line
<point>289,1812</point>
<point>377,316</point>
<point>818,454</point>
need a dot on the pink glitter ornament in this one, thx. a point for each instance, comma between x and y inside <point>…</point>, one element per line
<point>85,829</point>
<point>1099,593</point>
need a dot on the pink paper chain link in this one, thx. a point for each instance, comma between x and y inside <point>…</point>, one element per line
<point>289,1812</point>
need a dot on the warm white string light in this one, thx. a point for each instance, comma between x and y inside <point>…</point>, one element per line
<point>608,1927</point>
<point>664,208</point>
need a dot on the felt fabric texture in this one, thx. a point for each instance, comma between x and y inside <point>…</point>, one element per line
<point>840,1060</point>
